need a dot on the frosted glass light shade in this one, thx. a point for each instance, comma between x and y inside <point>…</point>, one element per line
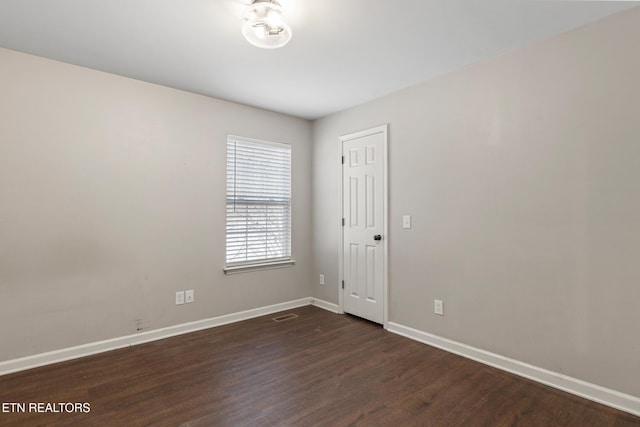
<point>262,25</point>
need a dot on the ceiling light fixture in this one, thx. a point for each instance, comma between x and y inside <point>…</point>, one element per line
<point>263,26</point>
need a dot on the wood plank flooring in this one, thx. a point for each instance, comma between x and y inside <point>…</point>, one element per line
<point>320,369</point>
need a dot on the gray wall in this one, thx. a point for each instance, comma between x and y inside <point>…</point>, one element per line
<point>112,197</point>
<point>522,176</point>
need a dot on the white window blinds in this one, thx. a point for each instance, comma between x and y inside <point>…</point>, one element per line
<point>258,201</point>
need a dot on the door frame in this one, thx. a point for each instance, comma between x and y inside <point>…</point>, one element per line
<point>384,130</point>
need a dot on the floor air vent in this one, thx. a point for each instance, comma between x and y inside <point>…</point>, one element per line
<point>285,317</point>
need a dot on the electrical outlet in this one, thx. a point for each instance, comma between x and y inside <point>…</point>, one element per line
<point>188,296</point>
<point>438,307</point>
<point>180,298</point>
<point>322,279</point>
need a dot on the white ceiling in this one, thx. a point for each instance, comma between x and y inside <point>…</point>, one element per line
<point>343,52</point>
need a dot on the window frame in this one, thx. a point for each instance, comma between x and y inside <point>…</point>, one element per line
<point>262,263</point>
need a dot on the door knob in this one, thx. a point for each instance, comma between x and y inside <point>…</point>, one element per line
<point>377,237</point>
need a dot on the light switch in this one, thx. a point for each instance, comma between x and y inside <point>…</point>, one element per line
<point>406,221</point>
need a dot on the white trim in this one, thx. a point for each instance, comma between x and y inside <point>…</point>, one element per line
<point>341,248</point>
<point>384,130</point>
<point>385,226</point>
<point>596,393</point>
<point>61,355</point>
<point>245,268</point>
<point>329,306</point>
<point>256,141</point>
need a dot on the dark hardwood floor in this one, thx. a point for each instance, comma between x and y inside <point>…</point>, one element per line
<point>320,369</point>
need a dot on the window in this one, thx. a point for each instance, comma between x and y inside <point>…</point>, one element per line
<point>258,204</point>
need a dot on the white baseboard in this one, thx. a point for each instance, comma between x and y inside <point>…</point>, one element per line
<point>56,356</point>
<point>325,305</point>
<point>605,396</point>
<point>612,398</point>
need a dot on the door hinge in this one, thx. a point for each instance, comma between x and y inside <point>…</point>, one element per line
<point>343,284</point>
<point>343,160</point>
<point>343,222</point>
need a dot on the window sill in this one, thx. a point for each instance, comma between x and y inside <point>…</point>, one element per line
<point>256,267</point>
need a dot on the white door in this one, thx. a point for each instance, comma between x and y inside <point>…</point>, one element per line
<point>364,224</point>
